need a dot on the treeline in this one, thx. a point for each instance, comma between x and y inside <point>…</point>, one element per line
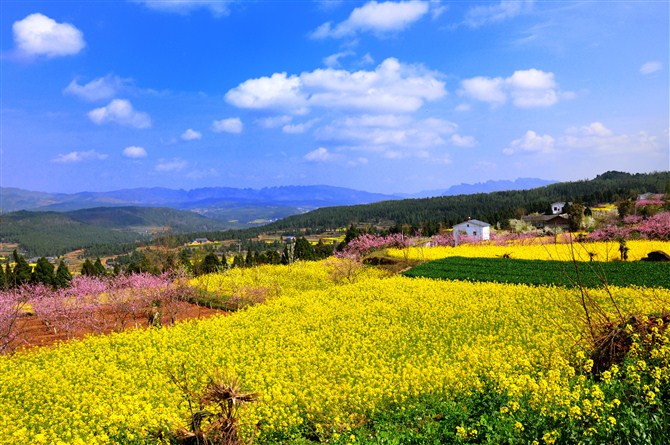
<point>43,273</point>
<point>202,260</point>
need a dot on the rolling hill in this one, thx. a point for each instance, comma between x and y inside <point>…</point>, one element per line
<point>55,233</point>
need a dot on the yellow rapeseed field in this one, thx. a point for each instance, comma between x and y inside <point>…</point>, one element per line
<point>604,251</point>
<point>323,353</point>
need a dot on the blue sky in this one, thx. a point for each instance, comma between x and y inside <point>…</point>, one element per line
<point>391,97</point>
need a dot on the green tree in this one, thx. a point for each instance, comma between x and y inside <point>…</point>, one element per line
<point>88,268</point>
<point>185,261</point>
<point>625,208</point>
<point>575,216</point>
<point>100,270</point>
<point>22,270</point>
<point>9,276</point>
<point>323,250</point>
<point>44,273</point>
<point>63,275</point>
<point>304,250</point>
<point>273,257</point>
<point>238,260</point>
<point>210,263</point>
<point>3,278</point>
<point>249,260</point>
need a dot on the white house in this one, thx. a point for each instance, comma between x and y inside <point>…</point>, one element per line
<point>557,208</point>
<point>474,229</point>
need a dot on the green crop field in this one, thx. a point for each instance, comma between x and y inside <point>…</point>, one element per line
<point>542,272</point>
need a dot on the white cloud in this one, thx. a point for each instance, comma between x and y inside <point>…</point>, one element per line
<point>593,129</point>
<point>171,165</point>
<point>298,128</point>
<point>274,121</point>
<point>530,88</point>
<point>79,156</point>
<point>531,142</point>
<point>358,161</point>
<point>217,7</point>
<point>506,9</point>
<point>393,136</point>
<point>120,111</point>
<point>378,18</point>
<point>391,87</point>
<point>651,67</point>
<point>101,88</point>
<point>278,91</point>
<point>463,141</point>
<point>485,89</point>
<point>586,141</point>
<point>230,125</point>
<point>462,108</point>
<point>191,135</point>
<point>134,152</point>
<point>321,154</point>
<point>333,60</point>
<point>596,138</point>
<point>39,35</point>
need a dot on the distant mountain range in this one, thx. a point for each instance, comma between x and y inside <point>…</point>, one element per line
<point>484,187</point>
<point>242,206</point>
<point>238,207</point>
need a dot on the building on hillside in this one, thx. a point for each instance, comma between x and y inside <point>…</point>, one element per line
<point>473,229</point>
<point>557,207</point>
<point>547,221</point>
<point>200,241</point>
<point>650,196</point>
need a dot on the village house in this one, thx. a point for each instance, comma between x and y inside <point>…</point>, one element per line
<point>473,229</point>
<point>547,221</point>
<point>557,207</point>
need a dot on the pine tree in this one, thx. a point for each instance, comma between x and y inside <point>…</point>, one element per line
<point>304,250</point>
<point>100,270</point>
<point>185,261</point>
<point>249,260</point>
<point>9,277</point>
<point>63,275</point>
<point>3,278</point>
<point>238,260</point>
<point>44,273</point>
<point>210,263</point>
<point>22,270</point>
<point>87,268</point>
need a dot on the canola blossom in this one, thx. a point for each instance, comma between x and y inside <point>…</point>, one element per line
<point>596,251</point>
<point>323,353</point>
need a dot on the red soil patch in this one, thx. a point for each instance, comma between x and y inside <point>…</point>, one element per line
<point>33,332</point>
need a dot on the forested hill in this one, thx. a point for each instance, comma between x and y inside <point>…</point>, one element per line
<point>496,207</point>
<point>106,228</point>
